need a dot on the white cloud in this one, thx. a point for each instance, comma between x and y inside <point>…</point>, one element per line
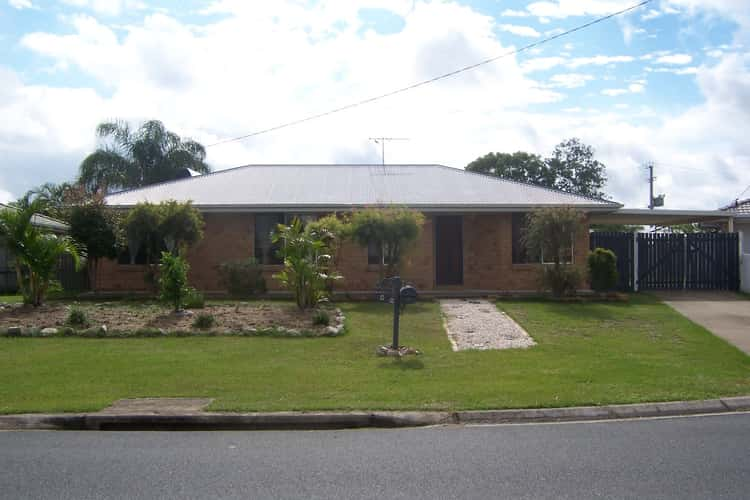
<point>6,196</point>
<point>676,59</point>
<point>651,14</point>
<point>546,63</point>
<point>21,4</point>
<point>107,7</point>
<point>265,63</point>
<point>568,8</point>
<point>599,60</point>
<point>514,13</point>
<point>570,80</point>
<point>515,29</point>
<point>614,92</point>
<point>636,88</point>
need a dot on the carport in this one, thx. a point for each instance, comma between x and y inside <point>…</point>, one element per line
<point>668,261</point>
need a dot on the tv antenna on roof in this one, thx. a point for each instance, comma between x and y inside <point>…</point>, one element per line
<point>382,141</point>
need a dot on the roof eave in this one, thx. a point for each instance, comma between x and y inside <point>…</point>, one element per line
<point>444,207</point>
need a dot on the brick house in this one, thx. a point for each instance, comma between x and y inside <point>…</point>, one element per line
<point>470,242</point>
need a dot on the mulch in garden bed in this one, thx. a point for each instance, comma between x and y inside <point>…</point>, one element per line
<point>147,317</point>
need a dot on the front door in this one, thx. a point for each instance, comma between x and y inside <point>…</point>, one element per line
<point>449,254</point>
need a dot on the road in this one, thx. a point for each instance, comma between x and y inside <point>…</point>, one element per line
<point>696,457</point>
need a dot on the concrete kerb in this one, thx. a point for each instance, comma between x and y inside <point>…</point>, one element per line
<point>354,420</point>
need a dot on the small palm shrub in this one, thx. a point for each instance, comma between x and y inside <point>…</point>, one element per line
<point>321,318</point>
<point>307,260</point>
<point>194,299</point>
<point>602,265</point>
<point>242,278</point>
<point>173,283</point>
<point>77,317</point>
<point>204,321</point>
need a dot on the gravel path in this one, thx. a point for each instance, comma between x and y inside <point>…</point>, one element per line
<point>479,324</point>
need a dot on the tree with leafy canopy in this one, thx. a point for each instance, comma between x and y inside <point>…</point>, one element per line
<point>181,225</point>
<point>391,230</point>
<point>133,158</point>
<point>576,169</point>
<point>572,168</point>
<point>96,227</point>
<point>152,227</point>
<point>550,232</point>
<point>518,166</point>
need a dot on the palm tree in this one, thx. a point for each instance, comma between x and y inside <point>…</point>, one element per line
<point>128,159</point>
<point>36,253</point>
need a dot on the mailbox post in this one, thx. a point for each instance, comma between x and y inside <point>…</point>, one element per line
<point>396,297</point>
<point>400,296</point>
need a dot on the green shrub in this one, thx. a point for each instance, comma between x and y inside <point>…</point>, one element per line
<point>242,278</point>
<point>561,280</point>
<point>77,318</point>
<point>173,286</point>
<point>602,269</point>
<point>321,318</point>
<point>195,299</point>
<point>204,321</point>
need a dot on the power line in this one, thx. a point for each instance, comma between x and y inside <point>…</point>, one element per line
<point>434,79</point>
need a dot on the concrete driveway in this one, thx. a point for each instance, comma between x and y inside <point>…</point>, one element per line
<point>726,314</point>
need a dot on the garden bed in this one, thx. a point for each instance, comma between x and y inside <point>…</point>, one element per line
<point>150,319</point>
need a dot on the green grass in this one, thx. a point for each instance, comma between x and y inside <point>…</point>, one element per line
<point>11,299</point>
<point>594,353</point>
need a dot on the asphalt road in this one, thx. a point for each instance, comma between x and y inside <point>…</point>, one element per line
<point>697,457</point>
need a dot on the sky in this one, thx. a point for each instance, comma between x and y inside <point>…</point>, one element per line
<point>668,83</point>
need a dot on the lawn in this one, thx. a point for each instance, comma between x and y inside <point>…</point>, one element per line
<point>594,353</point>
<point>10,299</point>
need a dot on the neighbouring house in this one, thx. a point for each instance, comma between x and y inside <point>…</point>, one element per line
<point>7,266</point>
<point>740,210</point>
<point>470,241</point>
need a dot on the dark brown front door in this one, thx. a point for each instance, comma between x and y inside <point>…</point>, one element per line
<point>449,254</point>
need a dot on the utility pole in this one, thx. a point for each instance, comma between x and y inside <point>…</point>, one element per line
<point>659,200</point>
<point>650,186</point>
<point>382,141</point>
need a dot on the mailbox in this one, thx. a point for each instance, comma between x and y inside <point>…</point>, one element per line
<point>408,295</point>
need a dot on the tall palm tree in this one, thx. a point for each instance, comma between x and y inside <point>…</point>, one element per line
<point>128,159</point>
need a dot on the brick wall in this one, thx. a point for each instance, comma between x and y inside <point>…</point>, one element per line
<point>487,257</point>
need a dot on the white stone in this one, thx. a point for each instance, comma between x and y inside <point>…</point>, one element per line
<point>478,324</point>
<point>49,331</point>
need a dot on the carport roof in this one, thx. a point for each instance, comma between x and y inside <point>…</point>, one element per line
<point>659,217</point>
<point>340,187</point>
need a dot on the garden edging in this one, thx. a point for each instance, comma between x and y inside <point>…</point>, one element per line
<point>351,420</point>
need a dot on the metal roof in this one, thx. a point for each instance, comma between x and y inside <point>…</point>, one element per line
<point>43,221</point>
<point>740,208</point>
<point>311,187</point>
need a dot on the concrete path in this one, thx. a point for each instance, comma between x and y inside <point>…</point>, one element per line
<point>726,314</point>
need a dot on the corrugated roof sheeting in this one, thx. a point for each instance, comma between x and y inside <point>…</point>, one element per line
<point>327,186</point>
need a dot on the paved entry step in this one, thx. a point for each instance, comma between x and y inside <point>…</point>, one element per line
<point>158,406</point>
